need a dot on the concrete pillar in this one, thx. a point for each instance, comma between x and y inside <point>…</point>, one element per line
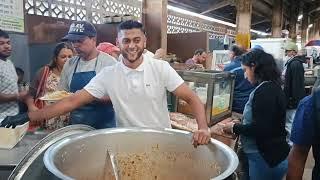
<point>312,29</point>
<point>312,32</point>
<point>244,11</point>
<point>277,18</point>
<point>317,28</point>
<point>304,27</point>
<point>294,10</point>
<point>154,18</point>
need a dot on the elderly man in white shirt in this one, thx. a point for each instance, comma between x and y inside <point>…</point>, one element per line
<point>136,86</point>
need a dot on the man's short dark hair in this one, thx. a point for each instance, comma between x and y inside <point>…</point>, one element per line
<point>131,24</point>
<point>238,51</point>
<point>199,51</point>
<point>4,34</point>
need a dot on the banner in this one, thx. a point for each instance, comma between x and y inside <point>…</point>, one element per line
<point>11,15</point>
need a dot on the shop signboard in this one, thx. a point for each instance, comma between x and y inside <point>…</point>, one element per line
<point>11,15</point>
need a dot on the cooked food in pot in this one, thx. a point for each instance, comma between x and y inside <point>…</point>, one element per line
<point>161,165</point>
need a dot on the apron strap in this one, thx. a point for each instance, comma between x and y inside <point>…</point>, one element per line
<point>95,65</point>
<point>78,59</point>
<point>75,69</point>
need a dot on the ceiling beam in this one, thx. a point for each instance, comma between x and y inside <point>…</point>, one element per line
<point>183,5</point>
<point>259,22</point>
<point>261,9</point>
<point>217,5</point>
<point>314,10</point>
<point>269,2</point>
<point>221,18</point>
<point>260,13</point>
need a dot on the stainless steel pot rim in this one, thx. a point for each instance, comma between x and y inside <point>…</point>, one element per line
<point>43,144</point>
<point>49,161</point>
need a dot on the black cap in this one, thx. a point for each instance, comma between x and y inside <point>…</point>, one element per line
<point>79,30</point>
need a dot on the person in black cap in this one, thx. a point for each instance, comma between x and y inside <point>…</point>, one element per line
<point>78,71</point>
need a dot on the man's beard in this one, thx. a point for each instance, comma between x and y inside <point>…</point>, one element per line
<point>82,54</point>
<point>4,56</point>
<point>126,56</point>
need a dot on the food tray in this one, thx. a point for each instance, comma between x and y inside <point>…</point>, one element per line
<point>10,137</point>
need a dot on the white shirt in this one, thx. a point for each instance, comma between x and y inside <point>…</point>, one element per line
<point>8,85</point>
<point>148,53</point>
<point>138,95</point>
<point>104,60</point>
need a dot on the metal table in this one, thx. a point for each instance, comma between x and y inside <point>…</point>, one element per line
<point>9,159</point>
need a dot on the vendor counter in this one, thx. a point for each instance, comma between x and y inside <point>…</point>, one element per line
<point>10,158</point>
<point>25,160</point>
<point>184,122</point>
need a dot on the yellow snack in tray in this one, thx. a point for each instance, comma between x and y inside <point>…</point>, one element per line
<point>56,95</point>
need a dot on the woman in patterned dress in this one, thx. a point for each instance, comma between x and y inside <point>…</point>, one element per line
<point>46,81</point>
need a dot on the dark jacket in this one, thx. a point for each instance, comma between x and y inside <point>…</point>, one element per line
<point>268,126</point>
<point>294,82</point>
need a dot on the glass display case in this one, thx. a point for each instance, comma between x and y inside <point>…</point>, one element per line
<point>219,57</point>
<point>215,90</point>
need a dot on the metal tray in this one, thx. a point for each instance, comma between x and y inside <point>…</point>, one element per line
<point>31,167</point>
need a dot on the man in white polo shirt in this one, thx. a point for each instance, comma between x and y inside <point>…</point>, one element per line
<point>136,86</point>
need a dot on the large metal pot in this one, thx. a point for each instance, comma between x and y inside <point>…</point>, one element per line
<point>142,154</point>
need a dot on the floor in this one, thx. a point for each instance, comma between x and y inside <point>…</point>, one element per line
<point>308,168</point>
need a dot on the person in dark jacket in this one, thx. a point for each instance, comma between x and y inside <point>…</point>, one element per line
<point>262,132</point>
<point>242,87</point>
<point>293,75</point>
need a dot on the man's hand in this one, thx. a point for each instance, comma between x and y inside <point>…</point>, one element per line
<point>32,108</point>
<point>228,128</point>
<point>201,136</point>
<point>13,121</point>
<point>105,100</point>
<point>220,66</point>
<point>22,96</point>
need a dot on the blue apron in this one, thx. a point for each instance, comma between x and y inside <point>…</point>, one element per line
<point>95,114</point>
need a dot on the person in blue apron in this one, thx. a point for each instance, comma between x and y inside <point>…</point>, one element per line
<point>96,114</point>
<point>78,72</point>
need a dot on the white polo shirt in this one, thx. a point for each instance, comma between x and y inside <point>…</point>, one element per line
<point>138,95</point>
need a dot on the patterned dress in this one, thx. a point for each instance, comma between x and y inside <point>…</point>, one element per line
<point>59,121</point>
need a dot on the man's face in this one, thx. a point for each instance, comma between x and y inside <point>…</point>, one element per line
<point>290,53</point>
<point>5,47</point>
<point>131,43</point>
<point>202,57</point>
<point>84,46</point>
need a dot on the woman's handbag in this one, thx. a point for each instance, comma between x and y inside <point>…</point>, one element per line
<point>41,86</point>
<point>40,92</point>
